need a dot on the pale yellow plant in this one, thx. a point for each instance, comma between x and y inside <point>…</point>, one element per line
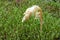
<point>36,11</point>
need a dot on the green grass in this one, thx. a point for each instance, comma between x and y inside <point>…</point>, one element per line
<point>11,27</point>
